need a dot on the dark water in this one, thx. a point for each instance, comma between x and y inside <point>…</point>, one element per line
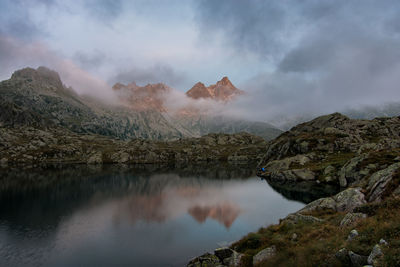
<point>130,216</point>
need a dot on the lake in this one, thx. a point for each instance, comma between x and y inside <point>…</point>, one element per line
<point>144,215</point>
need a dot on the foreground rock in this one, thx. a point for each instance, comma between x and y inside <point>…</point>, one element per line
<point>264,255</point>
<point>346,200</point>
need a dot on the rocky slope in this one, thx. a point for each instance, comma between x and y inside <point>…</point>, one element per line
<point>333,149</point>
<point>38,98</point>
<point>30,146</point>
<point>356,227</point>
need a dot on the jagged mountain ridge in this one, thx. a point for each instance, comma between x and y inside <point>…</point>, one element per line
<point>39,98</point>
<point>223,90</point>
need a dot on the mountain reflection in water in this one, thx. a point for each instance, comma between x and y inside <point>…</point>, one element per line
<point>145,215</point>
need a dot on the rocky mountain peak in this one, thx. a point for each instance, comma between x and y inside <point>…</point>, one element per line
<point>199,90</point>
<point>225,82</point>
<point>223,90</point>
<point>41,75</point>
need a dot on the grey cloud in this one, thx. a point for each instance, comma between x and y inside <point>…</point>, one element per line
<point>104,10</point>
<point>16,21</point>
<point>158,73</point>
<point>15,54</point>
<point>90,60</point>
<point>308,57</point>
<point>252,26</point>
<point>327,55</point>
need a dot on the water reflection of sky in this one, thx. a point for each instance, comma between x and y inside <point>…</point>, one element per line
<point>151,220</point>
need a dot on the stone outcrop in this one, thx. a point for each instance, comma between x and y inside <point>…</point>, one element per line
<point>347,200</point>
<point>379,181</point>
<point>335,149</point>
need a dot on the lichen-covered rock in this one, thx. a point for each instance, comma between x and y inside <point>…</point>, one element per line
<point>223,253</point>
<point>349,172</point>
<point>205,260</point>
<point>264,255</point>
<point>377,183</point>
<point>235,260</point>
<point>352,218</point>
<point>375,253</point>
<point>347,200</point>
<point>353,234</point>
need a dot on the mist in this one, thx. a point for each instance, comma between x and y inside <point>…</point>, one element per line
<point>293,59</point>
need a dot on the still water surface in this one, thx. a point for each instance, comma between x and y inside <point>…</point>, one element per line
<point>132,216</point>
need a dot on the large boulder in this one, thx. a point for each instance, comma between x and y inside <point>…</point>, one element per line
<point>375,254</point>
<point>350,173</point>
<point>264,255</point>
<point>379,181</point>
<point>347,200</point>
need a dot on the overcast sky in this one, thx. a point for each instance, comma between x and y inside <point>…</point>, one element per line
<point>292,57</point>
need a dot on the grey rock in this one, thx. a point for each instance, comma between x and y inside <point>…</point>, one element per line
<point>223,253</point>
<point>347,200</point>
<point>328,170</point>
<point>379,180</point>
<point>206,259</point>
<point>294,237</point>
<point>383,242</point>
<point>96,158</point>
<point>353,234</point>
<point>349,172</point>
<point>304,174</point>
<point>264,255</point>
<point>357,260</point>
<point>234,261</point>
<point>375,253</point>
<point>352,218</point>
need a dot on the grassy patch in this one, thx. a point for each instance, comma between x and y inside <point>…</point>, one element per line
<point>317,243</point>
<point>381,157</point>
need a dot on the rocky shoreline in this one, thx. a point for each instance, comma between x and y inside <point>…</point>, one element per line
<point>359,226</point>
<point>28,145</point>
